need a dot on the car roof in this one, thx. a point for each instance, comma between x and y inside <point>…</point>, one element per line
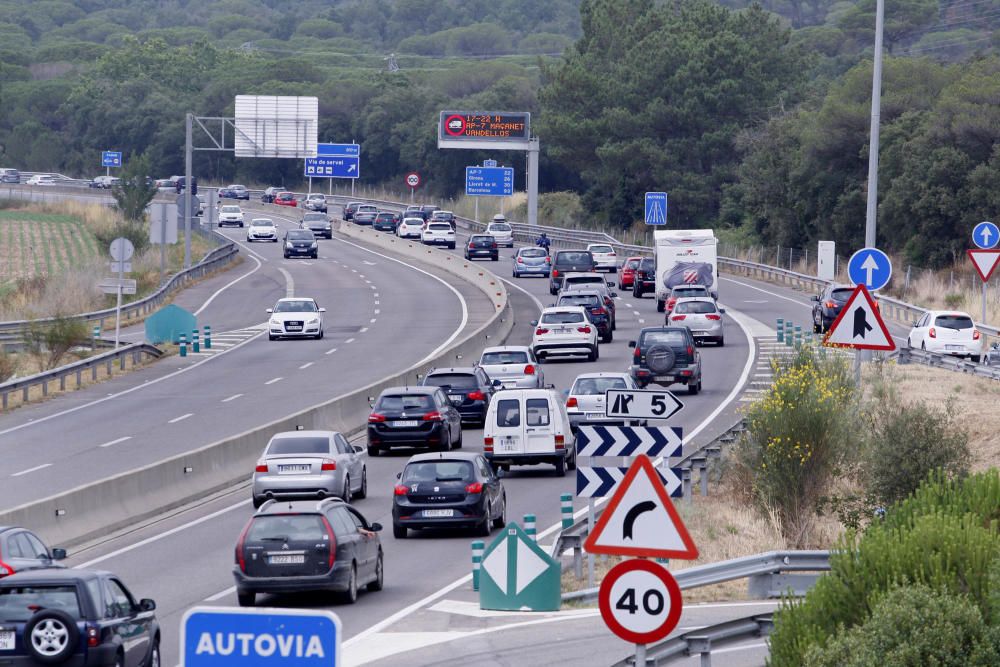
<point>253,220</point>
<point>601,374</point>
<point>443,456</point>
<point>686,286</point>
<point>415,389</point>
<point>452,371</point>
<point>507,348</point>
<point>589,274</point>
<point>582,292</point>
<point>296,298</point>
<point>412,219</point>
<point>951,313</point>
<point>664,328</point>
<point>564,309</point>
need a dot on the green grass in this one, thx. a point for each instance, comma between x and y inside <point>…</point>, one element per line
<point>35,244</point>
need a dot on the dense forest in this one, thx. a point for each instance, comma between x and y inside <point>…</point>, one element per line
<point>753,116</point>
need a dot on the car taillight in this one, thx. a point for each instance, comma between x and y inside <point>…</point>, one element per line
<point>240,559</point>
<point>685,373</point>
<point>333,541</point>
<point>540,331</point>
<point>677,317</point>
<point>493,245</point>
<point>713,317</point>
<point>529,370</point>
<point>433,416</point>
<point>583,329</point>
<point>555,273</point>
<point>932,333</point>
<point>400,490</point>
<point>520,260</point>
<point>475,487</point>
<point>472,246</point>
<point>560,442</point>
<point>261,467</point>
<point>328,465</point>
<point>600,311</point>
<point>375,418</point>
<point>488,444</point>
<point>93,636</point>
<point>830,304</point>
<point>637,354</point>
<point>975,334</point>
<point>476,396</point>
<point>690,350</point>
<point>571,402</point>
<point>548,260</point>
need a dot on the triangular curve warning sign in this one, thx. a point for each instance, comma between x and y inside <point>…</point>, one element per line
<point>860,325</point>
<point>640,519</point>
<point>985,262</point>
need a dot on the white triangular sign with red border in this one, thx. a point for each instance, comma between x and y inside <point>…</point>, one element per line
<point>860,325</point>
<point>985,261</point>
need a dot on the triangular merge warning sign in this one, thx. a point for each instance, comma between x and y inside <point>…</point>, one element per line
<point>985,262</point>
<point>860,325</point>
<point>640,519</point>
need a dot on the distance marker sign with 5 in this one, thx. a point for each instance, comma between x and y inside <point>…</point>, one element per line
<point>641,404</point>
<point>640,601</point>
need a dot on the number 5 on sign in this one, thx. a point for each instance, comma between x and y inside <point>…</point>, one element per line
<point>640,601</point>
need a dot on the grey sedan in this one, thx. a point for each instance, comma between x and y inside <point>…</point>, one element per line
<point>531,262</point>
<point>310,464</point>
<point>513,367</point>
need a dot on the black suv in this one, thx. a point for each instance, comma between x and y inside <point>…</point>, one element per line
<point>645,277</point>
<point>304,545</point>
<point>828,305</point>
<point>666,356</point>
<point>597,311</point>
<point>413,417</point>
<point>565,261</point>
<point>22,550</point>
<point>75,617</point>
<point>469,389</point>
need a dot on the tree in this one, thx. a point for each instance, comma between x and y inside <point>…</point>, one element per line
<point>133,193</point>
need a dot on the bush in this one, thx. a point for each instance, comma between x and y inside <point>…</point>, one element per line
<point>49,342</point>
<point>8,365</point>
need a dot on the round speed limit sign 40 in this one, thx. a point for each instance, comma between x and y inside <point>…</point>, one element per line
<point>640,601</point>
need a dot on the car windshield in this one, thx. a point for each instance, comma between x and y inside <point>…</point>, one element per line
<point>456,380</point>
<point>499,227</point>
<point>646,264</point>
<point>681,292</point>
<point>592,386</point>
<point>663,338</point>
<point>575,280</point>
<point>497,358</point>
<point>573,257</point>
<point>632,263</point>
<point>601,248</point>
<point>398,402</point>
<point>695,307</point>
<point>296,306</point>
<point>562,318</point>
<point>230,209</point>
<point>438,471</point>
<point>953,321</point>
<point>19,603</point>
<point>299,445</point>
<point>579,300</point>
<point>532,252</point>
<point>842,295</point>
<point>300,235</point>
<point>261,223</point>
<point>287,528</point>
<point>368,208</point>
<point>481,239</point>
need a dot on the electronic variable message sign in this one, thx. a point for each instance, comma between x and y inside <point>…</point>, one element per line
<point>485,125</point>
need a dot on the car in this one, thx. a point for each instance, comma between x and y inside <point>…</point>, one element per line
<point>416,211</point>
<point>443,216</point>
<point>454,490</point>
<point>605,257</point>
<point>301,243</point>
<point>566,261</point>
<point>438,233</point>
<point>644,280</point>
<point>295,317</point>
<point>309,464</point>
<point>482,245</point>
<point>262,229</point>
<point>531,262</point>
<point>529,427</point>
<point>410,228</point>
<point>42,179</point>
<point>21,550</point>
<point>581,279</point>
<point>828,304</point>
<point>226,193</point>
<point>702,316</point>
<point>428,210</point>
<point>413,417</point>
<point>314,202</point>
<point>366,208</point>
<point>239,192</point>
<point>73,616</point>
<point>597,313</point>
<point>318,223</point>
<point>469,389</point>
<point>665,356</point>
<point>626,274</point>
<point>180,184</point>
<point>104,182</point>
<point>564,330</point>
<point>686,292</point>
<point>285,199</point>
<point>502,232</point>
<point>949,332</point>
<point>270,193</point>
<point>307,545</point>
<point>365,217</point>
<point>512,367</point>
<point>350,209</point>
<point>386,221</point>
<point>499,217</point>
<point>230,214</point>
<point>9,175</point>
<point>585,400</point>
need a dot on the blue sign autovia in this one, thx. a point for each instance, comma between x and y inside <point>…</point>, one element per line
<point>258,637</point>
<point>870,267</point>
<point>489,181</point>
<point>111,159</point>
<point>656,208</point>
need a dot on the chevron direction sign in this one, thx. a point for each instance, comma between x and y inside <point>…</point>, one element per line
<point>629,441</point>
<point>599,482</point>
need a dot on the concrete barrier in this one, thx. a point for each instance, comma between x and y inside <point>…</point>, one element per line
<point>98,508</point>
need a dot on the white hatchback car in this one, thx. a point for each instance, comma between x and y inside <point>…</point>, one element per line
<point>438,233</point>
<point>513,366</point>
<point>262,229</point>
<point>295,317</point>
<point>605,257</point>
<point>585,399</point>
<point>41,179</point>
<point>702,316</point>
<point>564,330</point>
<point>947,332</point>
<point>230,214</point>
<point>502,232</point>
<point>410,228</point>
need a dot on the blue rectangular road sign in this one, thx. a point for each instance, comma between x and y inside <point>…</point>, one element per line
<point>111,159</point>
<point>656,208</point>
<point>333,167</point>
<point>489,181</point>
<point>254,636</point>
<point>338,150</point>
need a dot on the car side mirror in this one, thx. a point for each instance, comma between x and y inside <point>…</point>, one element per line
<point>534,323</point>
<point>399,475</point>
<point>722,310</point>
<point>358,449</point>
<point>58,553</point>
<point>501,473</point>
<point>609,283</point>
<point>146,604</point>
<point>497,383</point>
<point>631,343</point>
<point>322,310</point>
<point>375,527</point>
<point>269,311</point>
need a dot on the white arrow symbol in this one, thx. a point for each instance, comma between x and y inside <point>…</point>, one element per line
<point>986,234</point>
<point>351,168</point>
<point>868,266</point>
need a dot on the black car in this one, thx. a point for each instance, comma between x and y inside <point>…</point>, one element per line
<point>827,306</point>
<point>482,245</point>
<point>666,356</point>
<point>645,277</point>
<point>469,389</point>
<point>413,417</point>
<point>307,545</point>
<point>75,617</point>
<point>566,261</point>
<point>386,221</point>
<point>318,224</point>
<point>364,217</point>
<point>416,212</point>
<point>351,209</point>
<point>597,310</point>
<point>301,243</point>
<point>448,491</point>
<point>269,194</point>
<point>22,550</point>
<point>428,210</point>
<point>444,216</point>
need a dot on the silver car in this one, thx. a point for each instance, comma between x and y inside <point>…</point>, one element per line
<point>531,262</point>
<point>262,229</point>
<point>513,366</point>
<point>310,464</point>
<point>318,224</point>
<point>702,316</point>
<point>502,232</point>
<point>585,400</point>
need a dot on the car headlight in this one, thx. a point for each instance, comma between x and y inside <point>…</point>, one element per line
<point>289,245</point>
<point>275,320</point>
<point>314,245</point>
<point>314,320</point>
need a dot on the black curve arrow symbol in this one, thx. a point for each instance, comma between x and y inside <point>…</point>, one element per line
<point>633,514</point>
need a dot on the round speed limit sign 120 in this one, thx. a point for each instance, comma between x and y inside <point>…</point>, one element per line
<point>640,601</point>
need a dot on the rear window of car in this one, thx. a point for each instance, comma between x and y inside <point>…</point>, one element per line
<point>19,603</point>
<point>646,264</point>
<point>301,445</point>
<point>439,227</point>
<point>632,263</point>
<point>463,380</point>
<point>405,402</point>
<point>508,412</point>
<point>953,321</point>
<point>577,280</point>
<point>311,217</point>
<point>681,292</point>
<point>499,227</point>
<point>497,358</point>
<point>481,239</point>
<point>579,300</point>
<point>593,386</point>
<point>532,252</point>
<point>671,338</point>
<point>695,307</point>
<point>573,257</point>
<point>412,221</point>
<point>368,208</point>
<point>438,471</point>
<point>290,527</point>
<point>562,318</point>
<point>841,295</point>
<point>601,248</point>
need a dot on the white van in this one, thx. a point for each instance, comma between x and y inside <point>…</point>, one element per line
<point>528,427</point>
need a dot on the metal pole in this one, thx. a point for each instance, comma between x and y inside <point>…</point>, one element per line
<point>188,153</point>
<point>411,195</point>
<point>640,655</point>
<point>118,306</point>
<point>352,188</point>
<point>984,304</point>
<point>310,185</point>
<point>590,529</point>
<point>477,209</point>
<point>870,211</point>
<point>162,211</point>
<point>533,181</point>
<point>330,182</point>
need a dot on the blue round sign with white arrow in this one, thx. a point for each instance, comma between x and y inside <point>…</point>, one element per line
<point>986,235</point>
<point>870,267</point>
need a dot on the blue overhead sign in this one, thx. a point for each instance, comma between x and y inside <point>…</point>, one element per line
<point>334,161</point>
<point>338,149</point>
<point>986,235</point>
<point>489,163</point>
<point>870,267</point>
<point>111,159</point>
<point>656,208</point>
<point>259,637</point>
<point>489,181</point>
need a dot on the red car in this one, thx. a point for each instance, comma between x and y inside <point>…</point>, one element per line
<point>626,274</point>
<point>285,199</point>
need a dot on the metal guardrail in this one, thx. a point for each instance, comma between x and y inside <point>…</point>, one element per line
<point>907,355</point>
<point>77,368</point>
<point>702,641</point>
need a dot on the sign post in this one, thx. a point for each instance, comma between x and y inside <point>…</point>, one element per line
<point>121,252</point>
<point>986,236</point>
<point>110,159</point>
<point>516,574</point>
<point>656,208</point>
<point>412,181</point>
<point>872,268</point>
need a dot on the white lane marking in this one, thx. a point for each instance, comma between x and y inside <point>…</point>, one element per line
<point>530,295</point>
<point>25,472</point>
<point>228,285</point>
<point>375,295</point>
<point>642,321</point>
<point>273,380</point>
<point>116,441</point>
<point>181,418</point>
<point>289,283</point>
<point>250,250</point>
<point>231,398</point>
<point>331,351</point>
<point>369,263</point>
<point>377,303</point>
<point>349,340</point>
<point>372,321</point>
<point>377,311</point>
<point>306,365</point>
<point>363,330</point>
<point>221,594</point>
<point>368,282</point>
<point>354,270</point>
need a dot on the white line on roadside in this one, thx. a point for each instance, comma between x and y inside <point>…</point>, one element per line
<point>363,330</point>
<point>306,365</point>
<point>231,398</point>
<point>273,380</point>
<point>289,283</point>
<point>228,285</point>
<point>372,320</point>
<point>116,441</point>
<point>331,351</point>
<point>375,295</point>
<point>180,419</point>
<point>377,311</point>
<point>521,289</point>
<point>349,340</point>
<point>25,472</point>
<point>369,263</point>
<point>221,594</point>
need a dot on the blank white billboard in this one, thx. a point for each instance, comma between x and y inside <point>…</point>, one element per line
<point>276,126</point>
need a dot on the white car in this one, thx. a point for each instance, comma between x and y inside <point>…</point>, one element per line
<point>947,332</point>
<point>502,233</point>
<point>410,228</point>
<point>702,316</point>
<point>585,400</point>
<point>295,317</point>
<point>230,214</point>
<point>438,233</point>
<point>42,179</point>
<point>605,257</point>
<point>262,229</point>
<point>513,366</point>
<point>564,330</point>
<point>314,202</point>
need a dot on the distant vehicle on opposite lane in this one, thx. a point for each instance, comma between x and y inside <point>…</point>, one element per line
<point>285,199</point>
<point>230,214</point>
<point>239,192</point>
<point>42,179</point>
<point>301,243</point>
<point>11,175</point>
<point>315,202</point>
<point>318,223</point>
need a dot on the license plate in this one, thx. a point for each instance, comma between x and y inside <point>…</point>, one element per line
<point>434,514</point>
<point>456,398</point>
<point>287,559</point>
<point>7,640</point>
<point>292,469</point>
<point>954,347</point>
<point>508,444</point>
<point>595,415</point>
<point>664,378</point>
<point>407,423</point>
